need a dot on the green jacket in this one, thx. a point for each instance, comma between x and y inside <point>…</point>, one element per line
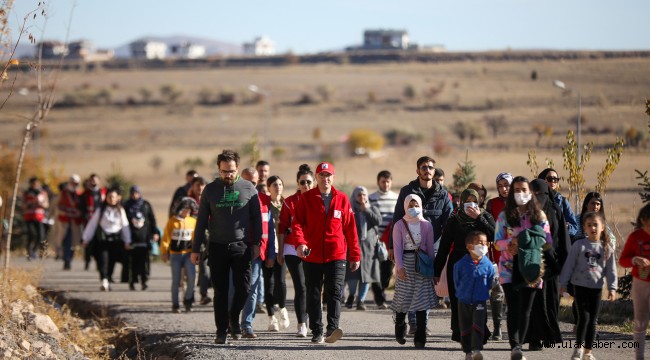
<point>531,244</point>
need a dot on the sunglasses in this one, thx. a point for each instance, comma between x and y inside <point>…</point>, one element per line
<point>553,179</point>
<point>426,167</point>
<point>305,182</point>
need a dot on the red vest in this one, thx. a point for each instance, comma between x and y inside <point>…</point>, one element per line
<point>265,202</point>
<point>32,208</point>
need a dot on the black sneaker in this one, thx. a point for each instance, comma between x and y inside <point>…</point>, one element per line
<point>205,300</point>
<point>132,287</point>
<point>144,286</point>
<point>317,339</point>
<point>221,339</point>
<point>176,309</point>
<point>235,331</point>
<point>333,336</point>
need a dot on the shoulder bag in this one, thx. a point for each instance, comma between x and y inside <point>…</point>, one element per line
<point>423,262</point>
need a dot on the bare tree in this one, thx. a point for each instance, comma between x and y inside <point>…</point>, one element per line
<point>496,123</point>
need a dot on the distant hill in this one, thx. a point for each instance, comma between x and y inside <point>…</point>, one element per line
<point>212,47</point>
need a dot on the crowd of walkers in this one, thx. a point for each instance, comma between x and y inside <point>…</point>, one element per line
<point>519,252</point>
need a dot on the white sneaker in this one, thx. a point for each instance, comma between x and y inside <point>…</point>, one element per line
<point>273,324</point>
<point>105,285</point>
<point>577,354</point>
<point>589,356</point>
<point>302,330</point>
<point>284,318</point>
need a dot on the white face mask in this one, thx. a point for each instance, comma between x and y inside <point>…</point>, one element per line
<point>523,198</point>
<point>470,205</point>
<point>415,211</point>
<point>480,250</point>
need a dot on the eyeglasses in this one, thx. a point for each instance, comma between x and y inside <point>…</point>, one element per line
<point>305,182</point>
<point>227,172</point>
<point>426,167</point>
<point>553,179</point>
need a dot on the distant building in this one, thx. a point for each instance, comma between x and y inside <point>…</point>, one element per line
<point>51,49</point>
<point>187,50</point>
<point>385,39</point>
<point>143,49</point>
<point>261,46</point>
<point>81,49</point>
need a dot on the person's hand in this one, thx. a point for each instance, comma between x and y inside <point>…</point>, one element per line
<point>562,291</point>
<point>195,258</point>
<point>269,263</point>
<point>436,280</point>
<point>156,237</point>
<point>300,250</point>
<point>280,259</point>
<point>641,262</point>
<point>165,257</point>
<point>85,244</point>
<point>401,274</point>
<point>127,247</point>
<point>255,251</point>
<point>362,205</point>
<point>354,266</point>
<point>513,246</point>
<point>473,212</point>
<point>612,295</point>
<point>391,255</point>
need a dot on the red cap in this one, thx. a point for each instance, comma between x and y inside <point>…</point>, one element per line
<point>325,167</point>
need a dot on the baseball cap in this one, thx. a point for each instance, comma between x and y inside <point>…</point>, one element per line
<point>75,178</point>
<point>325,167</point>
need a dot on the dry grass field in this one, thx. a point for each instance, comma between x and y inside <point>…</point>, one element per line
<point>101,138</point>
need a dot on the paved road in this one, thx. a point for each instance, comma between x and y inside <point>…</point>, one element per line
<point>367,334</point>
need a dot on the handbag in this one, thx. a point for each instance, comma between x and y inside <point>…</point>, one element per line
<point>381,253</point>
<point>423,262</point>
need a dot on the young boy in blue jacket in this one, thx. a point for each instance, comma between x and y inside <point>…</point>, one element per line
<point>473,276</point>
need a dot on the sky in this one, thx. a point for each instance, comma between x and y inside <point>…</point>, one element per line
<point>312,26</point>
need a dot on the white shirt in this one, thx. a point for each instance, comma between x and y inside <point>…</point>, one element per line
<point>417,235</point>
<point>113,220</point>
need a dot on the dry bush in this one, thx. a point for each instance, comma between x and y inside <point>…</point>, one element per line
<point>362,141</point>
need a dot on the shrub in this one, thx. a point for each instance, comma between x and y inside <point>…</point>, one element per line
<point>145,94</point>
<point>325,92</point>
<point>226,97</point>
<point>171,93</point>
<point>410,92</point>
<point>206,96</point>
<point>361,141</point>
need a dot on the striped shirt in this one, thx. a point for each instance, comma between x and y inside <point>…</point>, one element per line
<point>385,201</point>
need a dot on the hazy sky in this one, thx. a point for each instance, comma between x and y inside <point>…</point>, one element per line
<point>312,26</point>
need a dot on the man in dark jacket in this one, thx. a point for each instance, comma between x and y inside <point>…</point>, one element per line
<point>230,211</point>
<point>182,191</point>
<point>436,207</point>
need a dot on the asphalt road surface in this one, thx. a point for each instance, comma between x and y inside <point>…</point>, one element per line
<point>367,334</point>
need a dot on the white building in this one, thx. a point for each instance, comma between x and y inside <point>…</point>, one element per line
<point>385,39</point>
<point>261,46</point>
<point>144,49</point>
<point>187,50</point>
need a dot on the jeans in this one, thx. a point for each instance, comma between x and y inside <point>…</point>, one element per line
<point>363,289</point>
<point>386,272</point>
<point>295,266</point>
<point>248,313</point>
<point>259,289</point>
<point>222,258</point>
<point>412,321</point>
<point>67,243</point>
<point>178,262</point>
<point>204,278</point>
<point>332,275</point>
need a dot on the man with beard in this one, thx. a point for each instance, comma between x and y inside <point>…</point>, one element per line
<point>230,210</point>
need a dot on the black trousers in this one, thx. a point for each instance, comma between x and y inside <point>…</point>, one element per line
<point>588,305</point>
<point>106,255</point>
<point>385,273</point>
<point>471,322</point>
<point>138,258</point>
<point>35,238</point>
<point>332,276</point>
<point>520,304</point>
<point>222,259</point>
<point>275,287</point>
<point>294,264</point>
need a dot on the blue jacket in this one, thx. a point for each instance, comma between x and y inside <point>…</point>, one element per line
<point>436,208</point>
<point>569,216</point>
<point>473,281</point>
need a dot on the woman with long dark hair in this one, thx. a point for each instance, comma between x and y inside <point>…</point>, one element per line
<point>522,226</point>
<point>594,202</point>
<point>553,180</point>
<point>287,250</point>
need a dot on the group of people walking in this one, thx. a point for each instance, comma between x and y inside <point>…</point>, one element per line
<point>520,251</point>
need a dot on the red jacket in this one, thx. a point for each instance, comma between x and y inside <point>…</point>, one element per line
<point>330,236</point>
<point>495,206</point>
<point>637,244</point>
<point>286,217</point>
<point>265,202</point>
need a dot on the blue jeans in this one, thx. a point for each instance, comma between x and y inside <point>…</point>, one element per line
<point>259,289</point>
<point>67,245</point>
<point>248,312</point>
<point>363,289</point>
<point>178,261</point>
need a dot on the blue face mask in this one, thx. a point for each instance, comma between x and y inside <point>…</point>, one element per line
<point>415,211</point>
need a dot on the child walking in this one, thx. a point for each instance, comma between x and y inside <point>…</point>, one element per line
<point>176,246</point>
<point>473,276</point>
<point>589,262</point>
<point>636,254</point>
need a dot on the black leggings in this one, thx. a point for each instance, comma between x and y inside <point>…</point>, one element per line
<point>587,305</point>
<point>275,287</point>
<point>294,264</point>
<point>520,304</point>
<point>106,255</point>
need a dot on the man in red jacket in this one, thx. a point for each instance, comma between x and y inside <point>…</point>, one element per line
<point>325,233</point>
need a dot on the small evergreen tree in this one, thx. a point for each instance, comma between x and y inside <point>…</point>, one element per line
<point>464,174</point>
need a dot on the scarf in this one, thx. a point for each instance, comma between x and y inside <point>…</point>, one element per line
<point>461,216</point>
<point>359,216</point>
<point>408,218</point>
